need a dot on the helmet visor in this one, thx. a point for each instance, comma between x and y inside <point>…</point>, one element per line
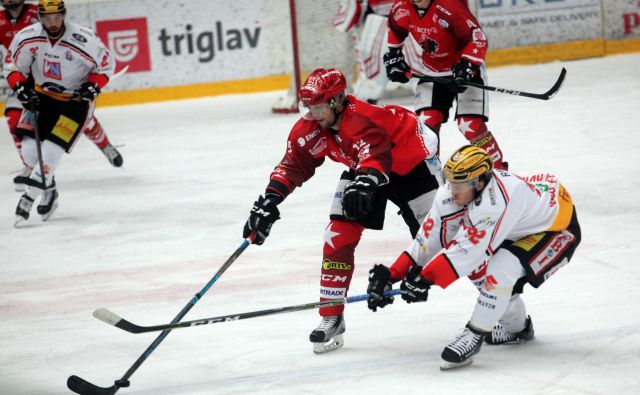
<point>462,186</point>
<point>313,111</point>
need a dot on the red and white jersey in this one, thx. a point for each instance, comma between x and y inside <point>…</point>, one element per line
<point>388,139</point>
<point>351,13</point>
<point>437,38</point>
<point>58,68</point>
<point>455,240</point>
<point>9,27</point>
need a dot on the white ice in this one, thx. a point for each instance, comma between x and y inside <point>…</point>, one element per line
<point>143,239</point>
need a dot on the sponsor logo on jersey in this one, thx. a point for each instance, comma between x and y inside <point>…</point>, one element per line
<point>68,56</point>
<point>527,243</point>
<point>490,283</point>
<point>65,128</point>
<point>327,264</point>
<point>128,40</point>
<point>320,146</point>
<point>443,24</point>
<point>79,38</point>
<point>444,10</point>
<point>52,70</point>
<point>332,293</point>
<point>301,141</point>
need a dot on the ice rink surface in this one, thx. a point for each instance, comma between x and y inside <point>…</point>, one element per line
<point>143,239</point>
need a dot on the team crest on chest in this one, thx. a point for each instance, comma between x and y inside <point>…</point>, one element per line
<point>52,70</point>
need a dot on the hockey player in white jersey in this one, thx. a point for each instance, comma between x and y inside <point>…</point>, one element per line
<point>370,47</point>
<point>501,230</point>
<point>57,69</point>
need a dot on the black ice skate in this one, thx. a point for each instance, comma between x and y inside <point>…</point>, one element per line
<point>48,203</point>
<point>113,155</point>
<point>328,335</point>
<point>19,181</point>
<point>23,209</point>
<point>499,334</point>
<point>460,352</point>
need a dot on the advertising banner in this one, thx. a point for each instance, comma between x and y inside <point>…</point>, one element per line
<point>518,23</point>
<point>622,19</point>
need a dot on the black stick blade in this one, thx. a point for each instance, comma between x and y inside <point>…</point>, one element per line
<point>83,387</point>
<point>556,87</point>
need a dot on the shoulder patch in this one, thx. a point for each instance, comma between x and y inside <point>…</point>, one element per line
<point>79,37</point>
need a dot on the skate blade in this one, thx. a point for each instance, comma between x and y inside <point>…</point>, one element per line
<point>332,345</point>
<point>48,215</point>
<point>19,187</point>
<point>446,365</point>
<point>19,220</point>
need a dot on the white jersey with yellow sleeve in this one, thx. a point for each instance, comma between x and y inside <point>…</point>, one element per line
<point>58,68</point>
<point>455,240</point>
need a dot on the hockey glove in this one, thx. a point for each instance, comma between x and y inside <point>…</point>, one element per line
<point>465,71</point>
<point>396,66</point>
<point>27,96</point>
<point>379,282</point>
<point>88,91</point>
<point>358,196</point>
<point>415,288</point>
<point>263,214</point>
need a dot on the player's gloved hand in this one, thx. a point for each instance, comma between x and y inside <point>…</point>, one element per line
<point>27,96</point>
<point>88,91</point>
<point>358,196</point>
<point>396,66</point>
<point>415,288</point>
<point>263,214</point>
<point>464,71</point>
<point>379,282</point>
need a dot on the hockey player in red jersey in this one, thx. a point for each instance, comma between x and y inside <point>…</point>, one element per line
<point>16,16</point>
<point>388,154</point>
<point>56,69</point>
<point>442,38</point>
<point>501,230</point>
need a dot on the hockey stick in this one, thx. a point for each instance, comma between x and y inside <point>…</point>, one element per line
<point>117,321</point>
<point>81,386</point>
<point>542,96</point>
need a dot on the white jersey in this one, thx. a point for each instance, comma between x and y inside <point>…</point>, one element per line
<point>509,208</point>
<point>61,68</point>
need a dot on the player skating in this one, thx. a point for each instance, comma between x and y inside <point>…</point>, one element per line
<point>56,70</point>
<point>386,150</point>
<point>16,16</point>
<point>442,38</point>
<point>501,230</point>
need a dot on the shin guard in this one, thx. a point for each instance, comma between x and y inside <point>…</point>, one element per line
<point>341,239</point>
<point>475,130</point>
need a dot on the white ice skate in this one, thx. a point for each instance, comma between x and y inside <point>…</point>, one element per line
<point>48,203</point>
<point>328,335</point>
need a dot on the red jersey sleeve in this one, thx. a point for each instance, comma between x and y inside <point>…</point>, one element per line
<point>398,24</point>
<point>297,165</point>
<point>473,42</point>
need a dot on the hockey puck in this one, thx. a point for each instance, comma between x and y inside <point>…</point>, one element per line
<point>122,383</point>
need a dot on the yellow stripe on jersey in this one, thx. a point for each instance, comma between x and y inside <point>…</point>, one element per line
<point>565,211</point>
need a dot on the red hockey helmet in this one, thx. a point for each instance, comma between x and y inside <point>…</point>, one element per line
<point>323,86</point>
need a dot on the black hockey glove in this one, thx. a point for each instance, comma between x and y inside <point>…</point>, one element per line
<point>358,196</point>
<point>263,214</point>
<point>465,71</point>
<point>415,288</point>
<point>27,96</point>
<point>379,282</point>
<point>396,66</point>
<point>88,91</point>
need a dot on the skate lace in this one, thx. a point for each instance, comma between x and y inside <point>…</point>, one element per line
<point>327,323</point>
<point>500,334</point>
<point>464,342</point>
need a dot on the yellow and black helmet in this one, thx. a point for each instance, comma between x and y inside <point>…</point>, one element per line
<point>51,7</point>
<point>467,163</point>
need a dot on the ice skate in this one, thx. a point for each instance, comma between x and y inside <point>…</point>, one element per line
<point>23,209</point>
<point>499,334</point>
<point>461,350</point>
<point>113,155</point>
<point>48,203</point>
<point>328,335</point>
<point>20,181</point>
